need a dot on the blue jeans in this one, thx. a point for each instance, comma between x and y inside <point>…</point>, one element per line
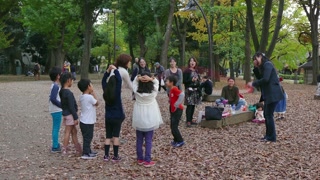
<point>270,126</point>
<point>141,136</point>
<point>56,123</point>
<point>241,102</point>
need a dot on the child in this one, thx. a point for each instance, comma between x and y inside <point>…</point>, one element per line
<point>146,115</point>
<point>259,118</point>
<point>69,112</point>
<point>88,102</point>
<point>281,107</point>
<point>176,98</point>
<point>206,86</point>
<point>114,114</point>
<point>55,108</point>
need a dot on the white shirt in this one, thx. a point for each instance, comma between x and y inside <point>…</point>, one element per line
<point>125,78</point>
<point>88,109</point>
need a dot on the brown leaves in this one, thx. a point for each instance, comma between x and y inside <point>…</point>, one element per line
<point>234,152</point>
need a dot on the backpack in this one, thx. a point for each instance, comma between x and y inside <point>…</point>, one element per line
<point>109,92</point>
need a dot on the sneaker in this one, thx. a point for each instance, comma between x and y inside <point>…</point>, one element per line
<point>179,144</point>
<point>56,150</point>
<point>116,159</point>
<point>88,156</point>
<point>149,164</point>
<point>140,162</point>
<point>94,153</point>
<point>173,143</point>
<point>106,158</point>
<point>64,151</point>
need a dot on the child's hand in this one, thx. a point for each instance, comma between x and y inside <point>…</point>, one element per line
<point>76,122</point>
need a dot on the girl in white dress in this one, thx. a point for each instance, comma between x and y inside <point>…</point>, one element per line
<point>146,115</point>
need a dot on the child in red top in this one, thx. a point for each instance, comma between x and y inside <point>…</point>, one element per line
<point>176,98</point>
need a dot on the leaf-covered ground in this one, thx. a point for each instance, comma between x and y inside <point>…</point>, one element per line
<point>233,152</point>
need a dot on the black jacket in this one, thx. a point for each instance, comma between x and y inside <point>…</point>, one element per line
<point>268,81</point>
<point>68,103</point>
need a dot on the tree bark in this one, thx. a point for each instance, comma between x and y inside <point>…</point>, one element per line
<point>276,29</point>
<point>247,70</point>
<point>313,16</point>
<point>165,45</point>
<point>142,44</point>
<point>265,26</point>
<point>88,22</point>
<point>252,25</point>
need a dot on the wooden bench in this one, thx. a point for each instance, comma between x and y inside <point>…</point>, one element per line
<point>210,98</point>
<point>316,97</point>
<point>230,120</point>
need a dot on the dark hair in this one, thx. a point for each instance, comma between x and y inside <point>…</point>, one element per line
<point>54,72</point>
<point>141,58</point>
<point>172,79</point>
<point>83,84</point>
<point>231,78</point>
<point>172,58</point>
<point>259,105</point>
<point>64,78</point>
<point>205,77</point>
<point>195,60</point>
<point>258,54</point>
<point>123,60</point>
<point>145,87</point>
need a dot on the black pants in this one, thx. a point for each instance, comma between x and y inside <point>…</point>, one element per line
<point>174,124</point>
<point>189,112</point>
<point>113,127</point>
<point>270,125</point>
<point>164,87</point>
<point>87,134</point>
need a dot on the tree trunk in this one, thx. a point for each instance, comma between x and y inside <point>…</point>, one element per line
<point>165,45</point>
<point>265,26</point>
<point>252,25</point>
<point>231,64</point>
<point>142,44</point>
<point>315,51</point>
<point>131,52</point>
<point>276,29</point>
<point>216,66</point>
<point>88,18</point>
<point>247,70</point>
<point>313,16</point>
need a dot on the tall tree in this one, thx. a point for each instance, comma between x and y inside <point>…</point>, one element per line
<point>90,11</point>
<point>57,21</point>
<point>264,39</point>
<point>167,35</point>
<point>312,8</point>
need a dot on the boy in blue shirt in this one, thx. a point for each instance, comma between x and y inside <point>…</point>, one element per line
<point>55,108</point>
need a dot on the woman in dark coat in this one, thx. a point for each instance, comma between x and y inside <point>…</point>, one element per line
<point>271,92</point>
<point>191,81</point>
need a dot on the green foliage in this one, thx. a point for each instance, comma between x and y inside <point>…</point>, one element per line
<point>58,20</point>
<point>292,77</point>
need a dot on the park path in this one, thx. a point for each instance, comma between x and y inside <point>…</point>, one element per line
<point>230,153</point>
<point>25,128</point>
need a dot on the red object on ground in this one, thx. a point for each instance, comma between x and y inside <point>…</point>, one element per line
<point>249,89</point>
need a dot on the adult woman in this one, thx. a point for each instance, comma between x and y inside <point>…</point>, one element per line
<point>191,81</point>
<point>123,63</point>
<point>271,92</point>
<point>142,68</point>
<point>174,71</point>
<point>231,93</point>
